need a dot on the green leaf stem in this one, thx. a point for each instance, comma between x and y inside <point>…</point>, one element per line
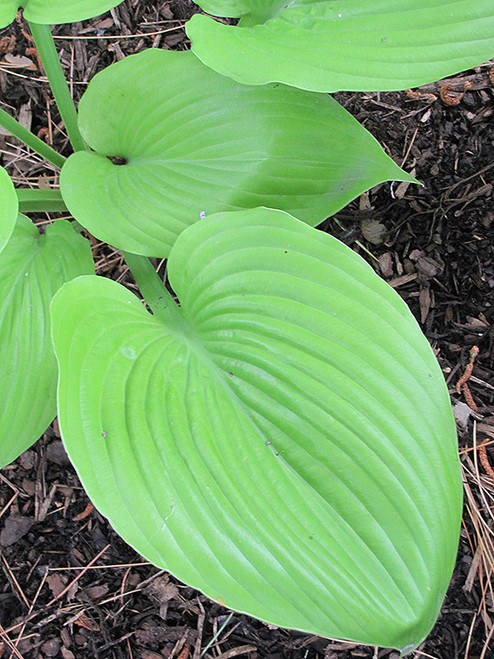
<point>288,447</point>
<point>32,268</point>
<point>9,207</point>
<point>61,91</point>
<point>330,45</point>
<point>192,142</point>
<point>49,12</point>
<point>39,201</point>
<point>32,141</point>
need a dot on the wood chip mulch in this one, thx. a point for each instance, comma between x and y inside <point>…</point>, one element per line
<point>70,588</point>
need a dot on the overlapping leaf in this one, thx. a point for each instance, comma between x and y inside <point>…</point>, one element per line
<point>185,141</point>
<point>8,207</point>
<point>283,441</point>
<point>330,45</point>
<point>54,11</point>
<point>32,268</point>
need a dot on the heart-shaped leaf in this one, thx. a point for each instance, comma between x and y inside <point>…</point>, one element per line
<point>185,141</point>
<point>330,45</point>
<point>32,268</point>
<point>283,441</point>
<point>8,208</point>
<point>49,12</point>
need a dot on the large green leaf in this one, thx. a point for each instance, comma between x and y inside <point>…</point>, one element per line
<point>195,142</point>
<point>330,45</point>
<point>8,207</point>
<point>283,441</point>
<point>54,11</point>
<point>32,268</point>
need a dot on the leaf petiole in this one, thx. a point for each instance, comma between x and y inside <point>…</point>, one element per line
<point>156,295</point>
<point>49,56</point>
<point>40,201</point>
<point>30,140</point>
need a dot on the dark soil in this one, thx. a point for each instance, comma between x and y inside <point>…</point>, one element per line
<point>69,586</point>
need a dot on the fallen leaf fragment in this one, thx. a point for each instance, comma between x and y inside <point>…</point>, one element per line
<point>19,62</point>
<point>16,526</point>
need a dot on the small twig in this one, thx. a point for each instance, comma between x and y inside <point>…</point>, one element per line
<point>235,652</point>
<point>14,581</point>
<point>470,634</point>
<point>100,567</point>
<point>451,95</point>
<point>462,385</point>
<point>184,654</point>
<point>469,398</point>
<point>484,460</point>
<point>21,632</point>
<point>474,351</point>
<point>418,96</point>
<point>85,513</point>
<point>409,147</point>
<point>120,36</point>
<point>200,628</point>
<point>9,644</point>
<point>9,503</point>
<point>82,572</point>
<point>487,641</point>
<point>122,585</point>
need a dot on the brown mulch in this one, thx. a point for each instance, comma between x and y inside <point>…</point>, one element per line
<point>69,586</point>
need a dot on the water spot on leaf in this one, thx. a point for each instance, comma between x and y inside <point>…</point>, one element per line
<point>128,351</point>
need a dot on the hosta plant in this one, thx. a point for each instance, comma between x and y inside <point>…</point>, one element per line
<point>279,434</point>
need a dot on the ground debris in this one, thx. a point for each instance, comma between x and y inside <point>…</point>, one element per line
<point>433,243</point>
